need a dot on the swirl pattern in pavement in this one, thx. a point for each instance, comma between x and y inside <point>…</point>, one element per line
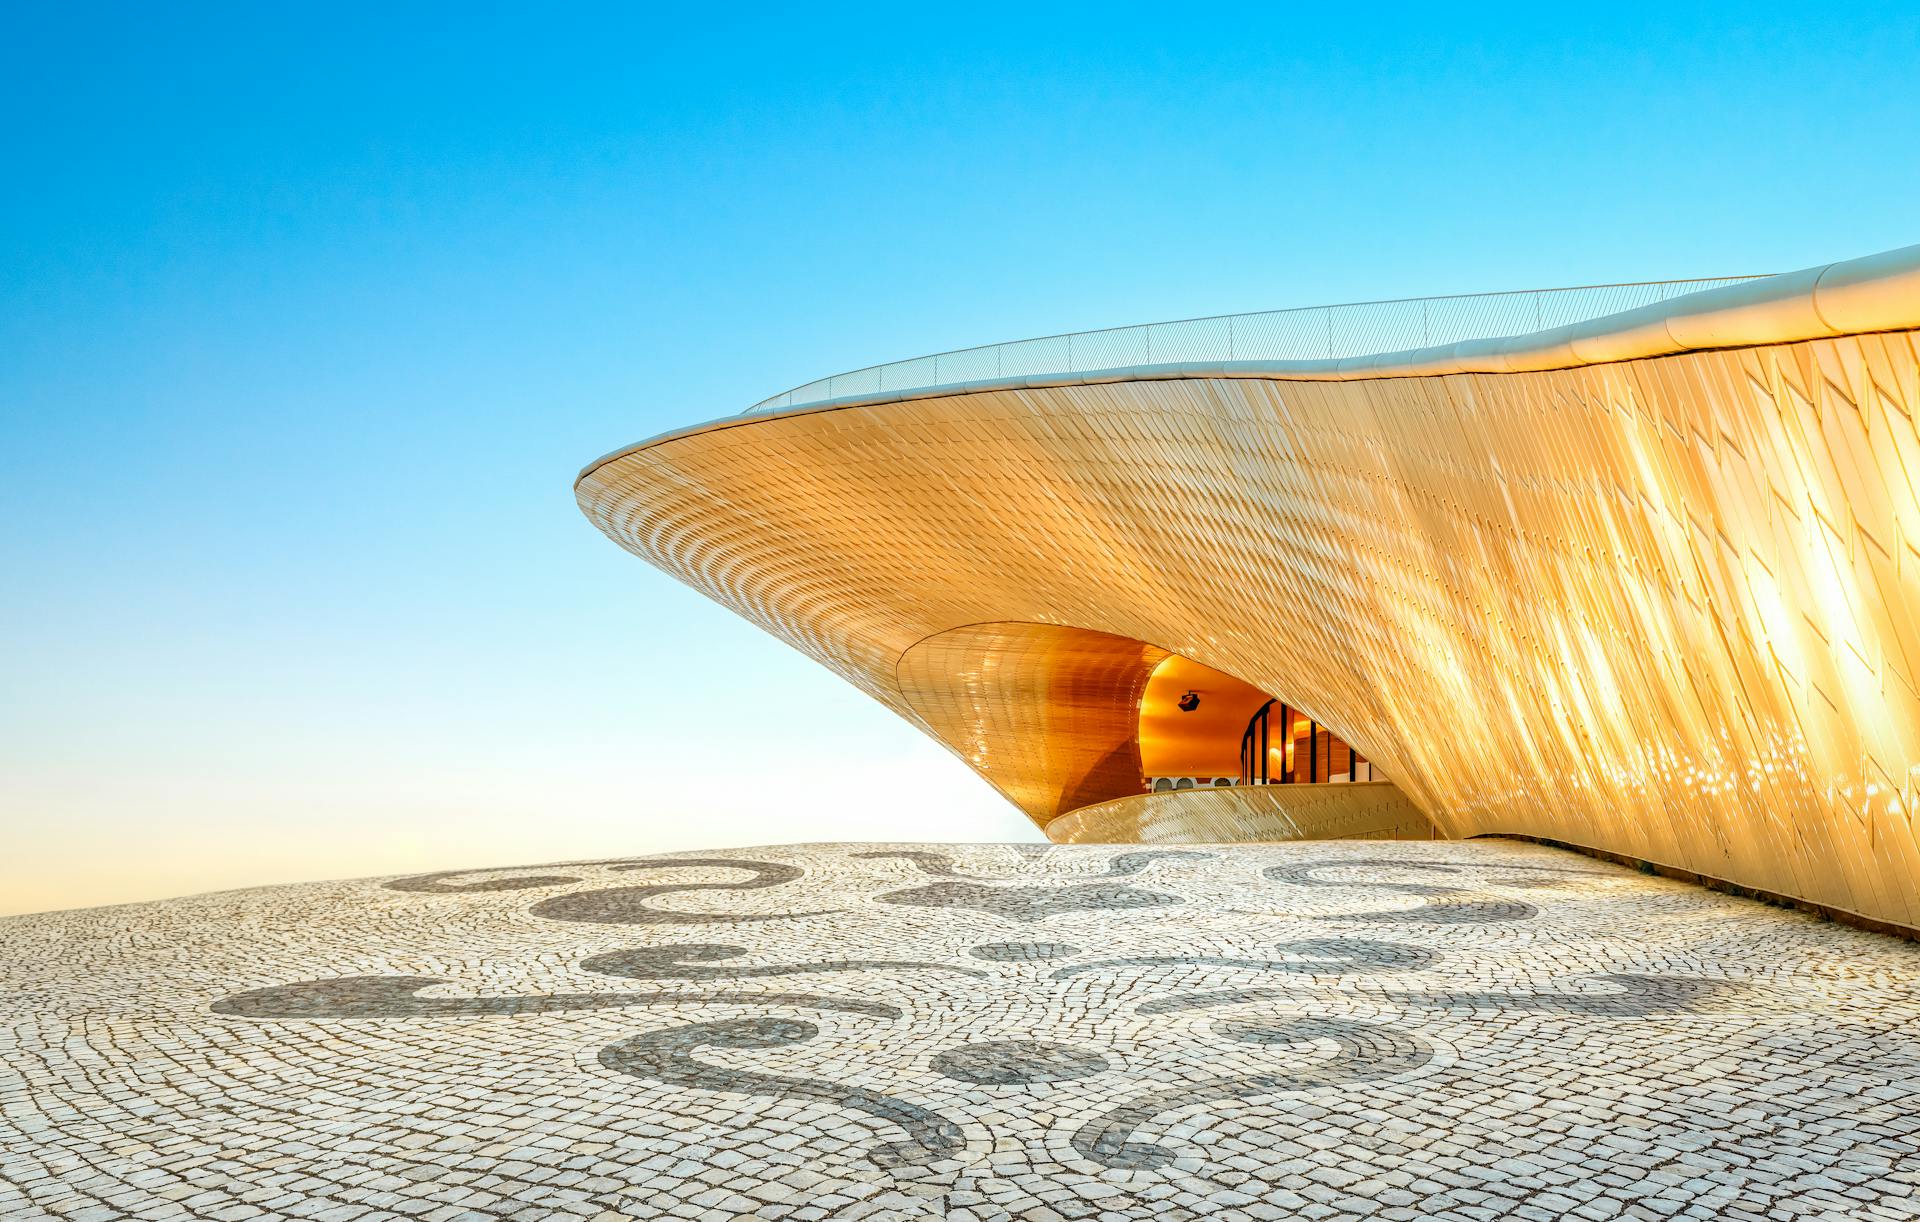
<point>1325,1030</point>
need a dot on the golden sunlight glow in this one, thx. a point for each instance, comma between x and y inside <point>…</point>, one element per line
<point>1662,605</point>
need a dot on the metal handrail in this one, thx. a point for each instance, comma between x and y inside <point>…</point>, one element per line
<point>1302,333</point>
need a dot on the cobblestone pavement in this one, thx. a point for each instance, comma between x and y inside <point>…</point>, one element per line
<point>1469,1030</point>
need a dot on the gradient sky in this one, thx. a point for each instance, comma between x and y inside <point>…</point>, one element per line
<point>309,315</point>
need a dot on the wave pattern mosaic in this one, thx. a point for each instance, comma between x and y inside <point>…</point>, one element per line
<point>1661,605</point>
<point>1448,1030</point>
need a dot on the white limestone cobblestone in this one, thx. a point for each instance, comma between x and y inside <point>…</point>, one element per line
<point>1472,1030</point>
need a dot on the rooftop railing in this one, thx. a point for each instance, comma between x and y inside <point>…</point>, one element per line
<point>1307,333</point>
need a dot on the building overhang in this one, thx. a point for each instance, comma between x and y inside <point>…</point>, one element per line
<point>1642,584</point>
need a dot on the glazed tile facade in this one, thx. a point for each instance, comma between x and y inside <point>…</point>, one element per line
<point>1662,606</point>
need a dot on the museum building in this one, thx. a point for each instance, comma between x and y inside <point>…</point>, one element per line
<point>1633,568</point>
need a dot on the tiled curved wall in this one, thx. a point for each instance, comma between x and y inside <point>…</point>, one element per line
<point>1668,606</point>
<point>1048,715</point>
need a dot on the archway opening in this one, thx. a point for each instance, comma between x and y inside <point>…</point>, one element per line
<point>1202,727</point>
<point>1058,718</point>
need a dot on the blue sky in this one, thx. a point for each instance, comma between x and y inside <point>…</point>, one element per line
<point>309,314</point>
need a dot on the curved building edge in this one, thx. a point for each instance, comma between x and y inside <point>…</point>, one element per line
<point>1655,604</point>
<point>1879,292</point>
